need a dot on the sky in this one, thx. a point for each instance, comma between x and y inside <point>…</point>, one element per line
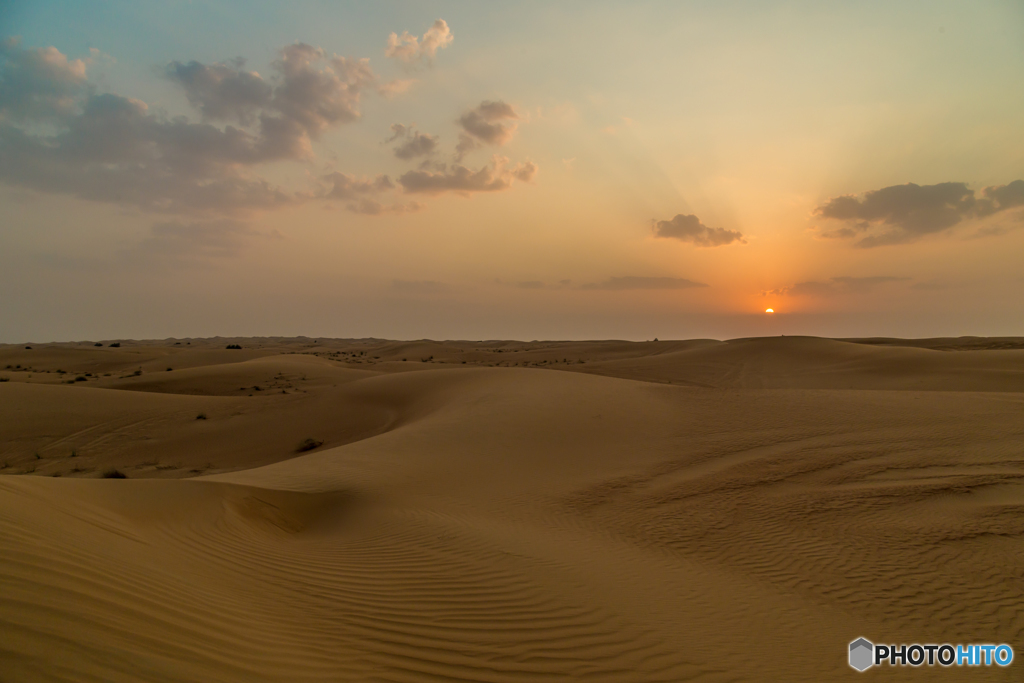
<point>522,170</point>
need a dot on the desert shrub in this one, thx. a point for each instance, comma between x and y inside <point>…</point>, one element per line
<point>29,348</point>
<point>201,416</point>
<point>115,345</point>
<point>309,444</point>
<point>136,373</point>
<point>5,379</point>
<point>114,474</point>
<point>169,369</point>
<point>80,378</point>
<point>234,346</point>
<point>74,453</point>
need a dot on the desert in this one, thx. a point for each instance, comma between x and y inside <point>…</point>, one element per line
<point>428,341</point>
<point>505,511</point>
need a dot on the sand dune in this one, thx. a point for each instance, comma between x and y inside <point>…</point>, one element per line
<point>741,513</point>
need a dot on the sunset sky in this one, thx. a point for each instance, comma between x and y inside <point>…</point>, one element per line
<point>517,170</point>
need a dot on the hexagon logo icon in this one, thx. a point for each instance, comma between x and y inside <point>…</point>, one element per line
<point>861,654</point>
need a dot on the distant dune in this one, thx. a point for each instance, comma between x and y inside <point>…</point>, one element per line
<point>658,511</point>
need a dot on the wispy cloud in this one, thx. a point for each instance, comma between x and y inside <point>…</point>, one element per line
<point>494,177</point>
<point>419,286</point>
<point>836,285</point>
<point>637,282</point>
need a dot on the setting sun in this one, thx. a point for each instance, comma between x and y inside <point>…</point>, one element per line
<point>769,310</point>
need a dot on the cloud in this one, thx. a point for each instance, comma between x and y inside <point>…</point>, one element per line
<point>633,282</point>
<point>109,148</point>
<point>113,149</point>
<point>411,50</point>
<point>395,87</point>
<point>222,92</point>
<point>39,83</point>
<point>836,286</point>
<point>989,231</point>
<point>688,228</point>
<point>493,177</point>
<point>317,92</point>
<point>414,144</point>
<point>1001,197</point>
<point>899,214</point>
<point>344,186</point>
<point>490,123</point>
<point>204,239</point>
<point>360,194</point>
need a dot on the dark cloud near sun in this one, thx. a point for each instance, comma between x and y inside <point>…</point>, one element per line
<point>899,214</point>
<point>688,228</point>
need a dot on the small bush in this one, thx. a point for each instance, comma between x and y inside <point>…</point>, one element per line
<point>201,416</point>
<point>114,474</point>
<point>308,445</point>
<point>169,369</point>
<point>81,379</point>
<point>115,345</point>
<point>74,453</point>
<point>98,344</point>
<point>5,379</point>
<point>234,346</point>
<point>29,348</point>
<point>136,373</point>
